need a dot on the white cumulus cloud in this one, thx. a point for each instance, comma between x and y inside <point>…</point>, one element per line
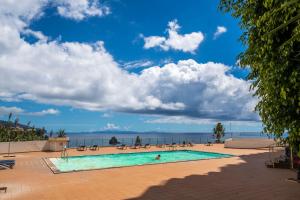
<point>80,9</point>
<point>198,121</point>
<point>111,126</point>
<point>37,34</point>
<point>49,111</point>
<point>19,111</point>
<point>7,110</point>
<point>220,30</point>
<point>205,90</point>
<point>187,42</point>
<point>73,9</point>
<point>136,64</point>
<point>86,76</point>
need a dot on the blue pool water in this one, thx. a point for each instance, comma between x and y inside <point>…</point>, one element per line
<point>75,163</point>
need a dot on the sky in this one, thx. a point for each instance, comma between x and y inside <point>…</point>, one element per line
<point>135,65</point>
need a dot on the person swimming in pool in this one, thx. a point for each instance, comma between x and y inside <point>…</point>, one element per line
<point>157,157</point>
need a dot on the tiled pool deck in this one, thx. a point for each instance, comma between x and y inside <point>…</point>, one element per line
<point>240,177</point>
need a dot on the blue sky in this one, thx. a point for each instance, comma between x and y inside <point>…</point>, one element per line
<point>123,65</point>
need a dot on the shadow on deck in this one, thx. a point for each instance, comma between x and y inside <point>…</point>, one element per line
<point>248,180</point>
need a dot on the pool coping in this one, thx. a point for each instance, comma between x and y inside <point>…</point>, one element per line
<point>55,170</point>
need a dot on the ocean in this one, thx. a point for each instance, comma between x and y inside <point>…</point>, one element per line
<point>153,138</point>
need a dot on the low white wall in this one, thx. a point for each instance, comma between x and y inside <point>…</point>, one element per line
<point>248,143</point>
<point>25,146</point>
<point>53,144</point>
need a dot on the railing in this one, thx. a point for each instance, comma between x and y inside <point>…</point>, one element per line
<point>204,138</point>
<point>75,142</point>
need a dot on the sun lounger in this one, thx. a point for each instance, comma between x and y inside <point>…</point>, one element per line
<point>3,189</point>
<point>209,144</point>
<point>94,147</point>
<point>293,180</point>
<point>122,147</point>
<point>135,146</point>
<point>146,146</point>
<point>278,163</point>
<point>81,148</point>
<point>5,164</point>
<point>9,163</point>
<point>190,144</point>
<point>173,146</point>
<point>184,144</point>
<point>160,145</point>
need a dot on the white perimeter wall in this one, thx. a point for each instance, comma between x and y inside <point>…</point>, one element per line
<point>25,146</point>
<point>248,143</point>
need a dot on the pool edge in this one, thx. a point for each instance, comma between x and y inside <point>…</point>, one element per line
<point>55,170</point>
<point>52,167</point>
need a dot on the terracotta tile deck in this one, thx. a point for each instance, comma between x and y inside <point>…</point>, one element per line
<point>241,177</point>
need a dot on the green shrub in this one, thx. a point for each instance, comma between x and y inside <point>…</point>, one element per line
<point>219,132</point>
<point>138,141</point>
<point>113,141</point>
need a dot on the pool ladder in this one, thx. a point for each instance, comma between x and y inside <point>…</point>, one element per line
<point>64,154</point>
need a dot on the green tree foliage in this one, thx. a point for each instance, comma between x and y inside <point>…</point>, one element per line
<point>61,133</point>
<point>113,141</point>
<point>10,116</point>
<point>13,131</point>
<point>219,132</point>
<point>138,141</point>
<point>13,134</point>
<point>16,122</point>
<point>271,34</point>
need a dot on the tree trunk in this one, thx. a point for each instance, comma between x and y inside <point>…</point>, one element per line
<point>292,160</point>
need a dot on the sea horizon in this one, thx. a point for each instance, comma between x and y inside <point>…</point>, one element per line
<point>102,138</point>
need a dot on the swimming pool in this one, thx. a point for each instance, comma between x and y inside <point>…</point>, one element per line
<point>103,161</point>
